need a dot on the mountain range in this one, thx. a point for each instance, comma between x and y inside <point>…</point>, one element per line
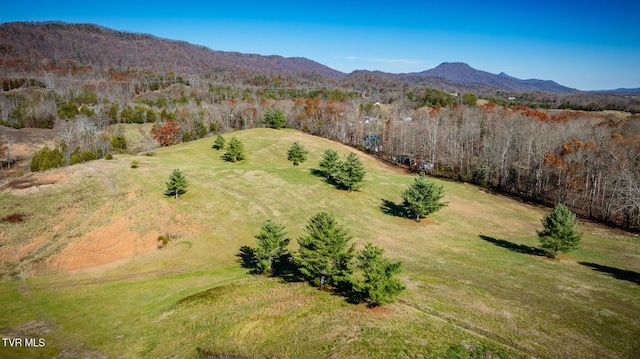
<point>27,47</point>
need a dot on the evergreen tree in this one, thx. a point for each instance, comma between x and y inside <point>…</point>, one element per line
<point>119,143</point>
<point>45,159</point>
<point>274,118</point>
<point>330,164</point>
<point>272,246</point>
<point>423,197</point>
<point>235,151</point>
<point>378,285</point>
<point>351,173</point>
<point>324,256</point>
<point>177,184</point>
<point>297,154</point>
<point>560,232</point>
<point>219,142</point>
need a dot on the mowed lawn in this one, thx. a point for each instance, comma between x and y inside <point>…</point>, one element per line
<point>473,274</point>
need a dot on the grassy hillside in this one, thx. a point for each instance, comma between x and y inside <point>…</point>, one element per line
<point>473,276</point>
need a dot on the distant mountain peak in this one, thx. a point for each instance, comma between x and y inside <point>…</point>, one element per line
<point>505,75</point>
<point>453,64</point>
<point>460,74</point>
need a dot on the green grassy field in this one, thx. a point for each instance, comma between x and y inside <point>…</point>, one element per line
<point>473,277</point>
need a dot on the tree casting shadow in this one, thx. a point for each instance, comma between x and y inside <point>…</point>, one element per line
<point>283,267</point>
<point>247,258</point>
<point>515,247</point>
<point>622,274</point>
<point>393,209</point>
<point>319,173</point>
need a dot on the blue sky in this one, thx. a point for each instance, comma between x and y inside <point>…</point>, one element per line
<point>582,44</point>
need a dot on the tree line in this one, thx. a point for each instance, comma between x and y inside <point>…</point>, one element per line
<point>588,161</point>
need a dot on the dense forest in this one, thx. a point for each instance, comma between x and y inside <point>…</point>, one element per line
<point>550,148</point>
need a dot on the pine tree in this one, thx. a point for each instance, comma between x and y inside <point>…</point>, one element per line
<point>560,232</point>
<point>272,245</point>
<point>219,142</point>
<point>274,118</point>
<point>330,164</point>
<point>351,173</point>
<point>325,255</point>
<point>378,285</point>
<point>235,150</point>
<point>423,198</point>
<point>177,184</point>
<point>297,154</point>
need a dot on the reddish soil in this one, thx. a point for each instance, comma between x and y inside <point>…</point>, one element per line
<point>104,245</point>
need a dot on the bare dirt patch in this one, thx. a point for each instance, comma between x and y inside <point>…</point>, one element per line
<point>104,245</point>
<point>34,181</point>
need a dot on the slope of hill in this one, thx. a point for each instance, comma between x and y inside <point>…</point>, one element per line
<point>474,280</point>
<point>36,46</point>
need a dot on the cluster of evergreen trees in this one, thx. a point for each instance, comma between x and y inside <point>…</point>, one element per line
<point>347,174</point>
<point>235,149</point>
<point>327,259</point>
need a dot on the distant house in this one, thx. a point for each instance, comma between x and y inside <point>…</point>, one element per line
<point>425,166</point>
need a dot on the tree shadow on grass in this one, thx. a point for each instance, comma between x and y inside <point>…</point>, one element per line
<point>319,173</point>
<point>285,269</point>
<point>515,247</point>
<point>393,209</point>
<point>247,258</point>
<point>622,274</point>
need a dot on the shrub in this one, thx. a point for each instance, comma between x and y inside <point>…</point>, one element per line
<point>46,159</point>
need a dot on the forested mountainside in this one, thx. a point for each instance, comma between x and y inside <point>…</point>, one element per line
<point>462,73</point>
<point>53,46</point>
<point>589,160</point>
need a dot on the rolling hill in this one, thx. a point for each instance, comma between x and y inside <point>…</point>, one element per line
<point>87,277</point>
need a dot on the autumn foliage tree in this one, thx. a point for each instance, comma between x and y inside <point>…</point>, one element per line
<point>166,133</point>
